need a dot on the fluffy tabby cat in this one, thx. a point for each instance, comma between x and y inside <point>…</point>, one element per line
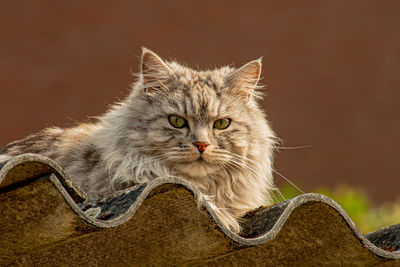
<point>203,126</point>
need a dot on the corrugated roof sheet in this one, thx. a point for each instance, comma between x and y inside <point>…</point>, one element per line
<point>45,221</point>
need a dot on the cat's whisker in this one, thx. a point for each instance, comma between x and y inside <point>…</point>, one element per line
<point>246,167</point>
<point>280,194</point>
<point>236,156</point>
<point>237,161</point>
<point>241,165</point>
<point>178,164</point>
<point>241,161</point>
<point>148,160</point>
<point>274,187</point>
<point>293,147</point>
<point>287,180</point>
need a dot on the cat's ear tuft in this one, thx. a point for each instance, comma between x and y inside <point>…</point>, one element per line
<point>244,80</point>
<point>154,71</point>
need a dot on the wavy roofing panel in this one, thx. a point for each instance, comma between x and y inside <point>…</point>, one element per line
<point>46,220</point>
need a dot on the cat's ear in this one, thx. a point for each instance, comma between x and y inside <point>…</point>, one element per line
<point>154,71</point>
<point>244,80</point>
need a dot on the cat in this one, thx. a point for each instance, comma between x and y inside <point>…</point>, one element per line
<point>203,126</point>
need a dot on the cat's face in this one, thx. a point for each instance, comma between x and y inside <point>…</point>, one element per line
<point>199,123</point>
<point>198,131</point>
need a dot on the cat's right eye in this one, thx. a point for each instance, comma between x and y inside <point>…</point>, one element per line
<point>222,124</point>
<point>177,121</point>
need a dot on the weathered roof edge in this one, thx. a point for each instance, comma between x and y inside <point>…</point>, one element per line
<point>73,194</point>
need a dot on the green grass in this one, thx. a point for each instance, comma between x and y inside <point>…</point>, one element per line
<point>367,215</point>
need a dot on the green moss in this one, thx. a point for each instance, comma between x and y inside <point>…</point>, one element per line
<point>367,215</point>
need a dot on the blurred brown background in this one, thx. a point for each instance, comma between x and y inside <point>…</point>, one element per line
<point>331,70</point>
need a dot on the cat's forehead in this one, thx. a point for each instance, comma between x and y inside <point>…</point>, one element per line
<point>192,78</point>
<point>197,94</point>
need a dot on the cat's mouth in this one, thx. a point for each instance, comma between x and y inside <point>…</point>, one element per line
<point>203,160</point>
<point>197,167</point>
<point>200,158</point>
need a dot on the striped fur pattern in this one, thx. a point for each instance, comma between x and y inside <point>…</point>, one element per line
<point>134,141</point>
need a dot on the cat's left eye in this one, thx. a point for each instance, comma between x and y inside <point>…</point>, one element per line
<point>177,121</point>
<point>222,124</point>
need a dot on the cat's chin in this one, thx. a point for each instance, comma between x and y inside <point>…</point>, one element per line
<point>198,168</point>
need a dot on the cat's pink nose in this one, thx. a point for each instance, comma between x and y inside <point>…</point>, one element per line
<point>201,146</point>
